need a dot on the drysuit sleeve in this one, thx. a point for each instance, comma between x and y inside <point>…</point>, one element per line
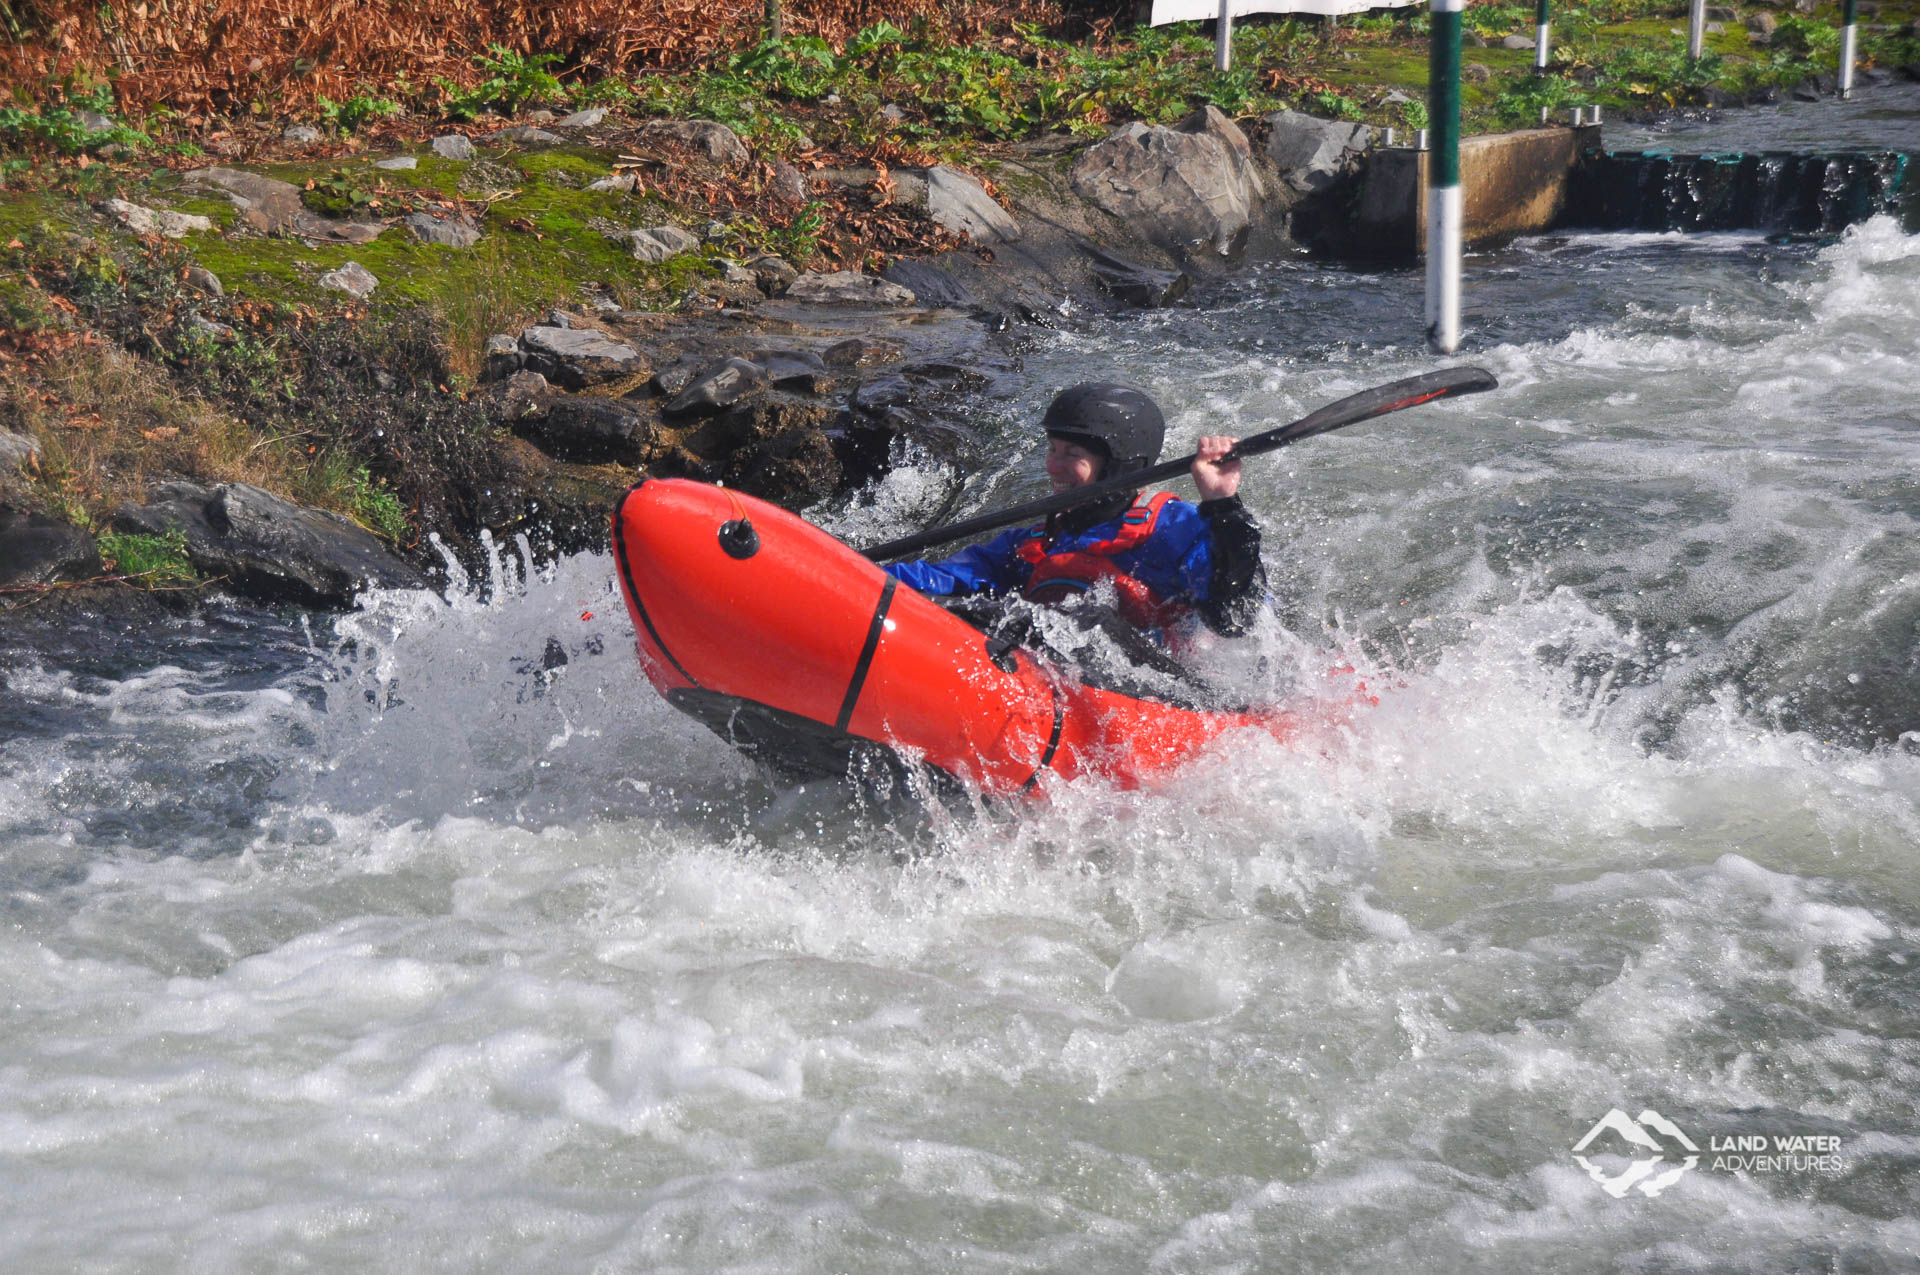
<point>988,568</point>
<point>1238,583</point>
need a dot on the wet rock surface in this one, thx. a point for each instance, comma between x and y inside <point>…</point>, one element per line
<point>269,549</point>
<point>36,549</point>
<point>1192,187</point>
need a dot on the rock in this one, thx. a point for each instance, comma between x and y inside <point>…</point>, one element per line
<point>679,374</point>
<point>847,287</point>
<point>397,163</point>
<point>1312,153</point>
<point>1473,40</point>
<point>591,430</point>
<point>267,548</point>
<point>773,274</point>
<point>453,146</point>
<point>559,319</point>
<point>1517,42</point>
<point>274,207</point>
<point>796,370</point>
<point>1722,13</point>
<point>36,549</point>
<point>576,358</point>
<point>1133,284</point>
<point>522,396</point>
<point>1475,73</point>
<point>451,231</point>
<point>525,135</point>
<point>733,273</point>
<point>788,185</point>
<point>203,280</point>
<point>623,182</point>
<point>656,243</point>
<point>961,204</point>
<point>504,357</point>
<point>859,351</point>
<point>300,134</point>
<point>716,141</point>
<point>1189,188</point>
<point>719,386</point>
<point>352,278</point>
<point>1715,28</point>
<point>18,451</point>
<point>149,221</point>
<point>589,118</point>
<point>930,285</point>
<point>1760,27</point>
<point>892,114</point>
<point>199,325</point>
<point>94,121</point>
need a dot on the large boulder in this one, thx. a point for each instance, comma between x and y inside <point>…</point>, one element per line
<point>35,549</point>
<point>18,451</point>
<point>267,548</point>
<point>273,207</point>
<point>1311,153</point>
<point>1191,188</point>
<point>575,358</point>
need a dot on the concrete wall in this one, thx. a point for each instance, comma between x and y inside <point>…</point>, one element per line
<point>1513,184</point>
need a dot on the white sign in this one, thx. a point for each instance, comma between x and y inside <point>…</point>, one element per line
<point>1165,11</point>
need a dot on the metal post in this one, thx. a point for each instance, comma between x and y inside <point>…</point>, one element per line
<point>1846,48</point>
<point>1223,38</point>
<point>1443,178</point>
<point>1697,30</point>
<point>1542,40</point>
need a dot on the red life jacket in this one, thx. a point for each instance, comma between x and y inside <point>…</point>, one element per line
<point>1062,573</point>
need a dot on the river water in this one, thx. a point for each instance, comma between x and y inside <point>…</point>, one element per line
<point>400,944</point>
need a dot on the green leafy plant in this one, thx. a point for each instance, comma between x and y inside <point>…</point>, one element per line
<point>158,559</point>
<point>1336,104</point>
<point>1413,114</point>
<point>70,122</point>
<point>338,194</point>
<point>512,80</point>
<point>348,116</point>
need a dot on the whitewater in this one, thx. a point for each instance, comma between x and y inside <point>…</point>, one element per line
<point>430,939</point>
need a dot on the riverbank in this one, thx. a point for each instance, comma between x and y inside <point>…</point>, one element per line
<point>288,355</point>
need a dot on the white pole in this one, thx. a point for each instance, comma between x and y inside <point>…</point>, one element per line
<point>1223,38</point>
<point>1444,204</point>
<point>1846,49</point>
<point>1697,30</point>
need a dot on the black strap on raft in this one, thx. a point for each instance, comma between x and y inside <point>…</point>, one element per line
<point>875,627</point>
<point>1053,740</point>
<point>626,574</point>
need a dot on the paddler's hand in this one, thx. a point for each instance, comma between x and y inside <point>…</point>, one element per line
<point>1216,481</point>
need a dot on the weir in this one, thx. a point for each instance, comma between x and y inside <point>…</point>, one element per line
<point>1538,180</point>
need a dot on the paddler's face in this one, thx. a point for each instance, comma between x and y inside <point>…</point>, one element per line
<point>1070,465</point>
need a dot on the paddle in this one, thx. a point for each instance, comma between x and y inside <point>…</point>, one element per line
<point>1367,404</point>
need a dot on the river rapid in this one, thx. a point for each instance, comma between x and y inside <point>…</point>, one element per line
<point>431,940</point>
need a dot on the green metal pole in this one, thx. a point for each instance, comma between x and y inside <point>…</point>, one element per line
<point>1542,37</point>
<point>1444,205</point>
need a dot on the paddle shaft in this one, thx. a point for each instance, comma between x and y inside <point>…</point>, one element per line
<point>1367,404</point>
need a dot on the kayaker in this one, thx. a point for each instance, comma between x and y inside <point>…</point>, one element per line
<point>1166,559</point>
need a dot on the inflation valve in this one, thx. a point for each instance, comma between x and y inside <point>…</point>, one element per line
<point>738,538</point>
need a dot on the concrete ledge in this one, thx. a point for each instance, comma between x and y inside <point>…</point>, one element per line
<point>1513,184</point>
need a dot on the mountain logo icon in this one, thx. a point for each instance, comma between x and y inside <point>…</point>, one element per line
<point>1645,1173</point>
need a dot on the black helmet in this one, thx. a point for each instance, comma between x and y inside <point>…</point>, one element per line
<point>1117,420</point>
